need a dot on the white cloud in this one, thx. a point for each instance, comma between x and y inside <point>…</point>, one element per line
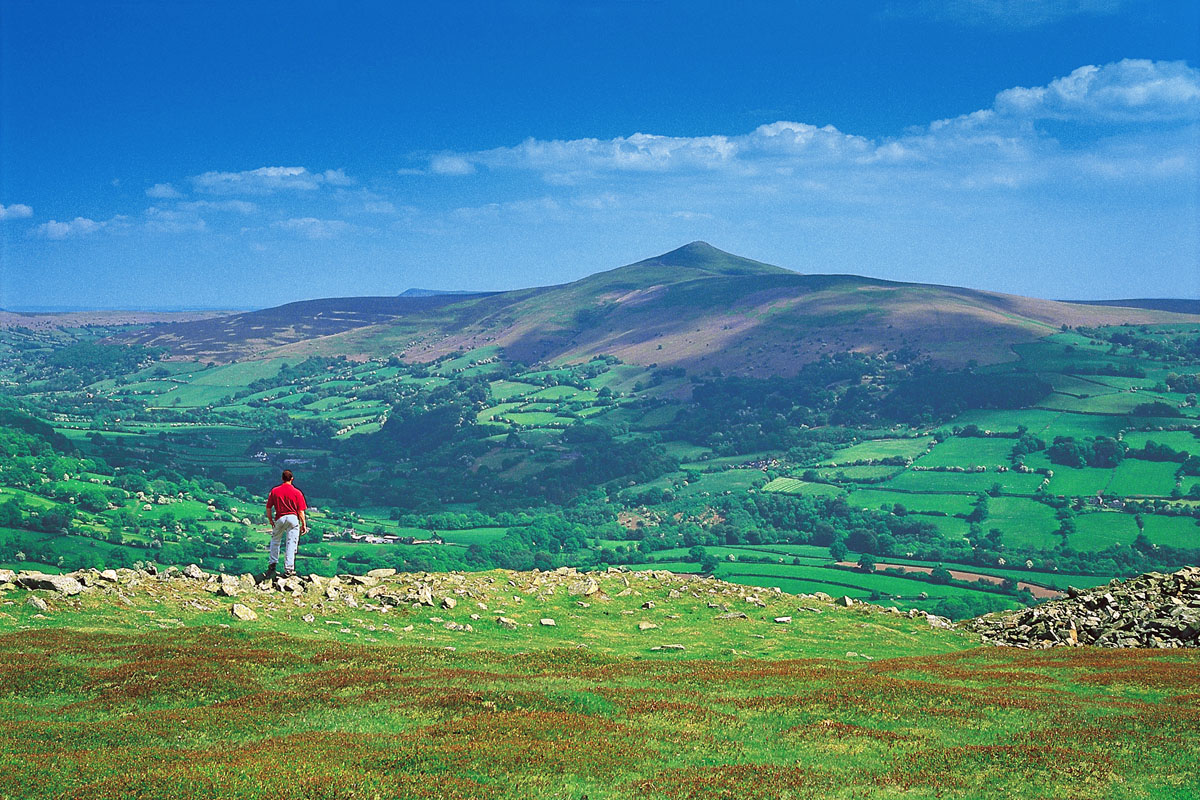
<point>15,211</point>
<point>450,165</point>
<point>163,191</point>
<point>164,220</point>
<point>268,180</point>
<point>994,148</point>
<point>237,206</point>
<point>80,226</point>
<point>1132,90</point>
<point>313,228</point>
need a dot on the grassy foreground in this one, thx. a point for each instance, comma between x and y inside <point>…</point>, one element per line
<point>149,689</point>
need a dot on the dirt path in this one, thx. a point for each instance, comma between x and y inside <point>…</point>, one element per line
<point>1038,591</point>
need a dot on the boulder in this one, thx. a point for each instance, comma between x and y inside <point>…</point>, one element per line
<point>646,626</point>
<point>585,586</point>
<point>380,573</point>
<point>244,613</point>
<point>505,622</point>
<point>546,621</point>
<point>449,602</point>
<point>63,584</point>
<point>194,572</point>
<point>37,602</point>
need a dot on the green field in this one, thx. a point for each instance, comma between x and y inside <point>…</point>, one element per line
<point>1133,477</point>
<point>959,451</point>
<point>1025,523</point>
<point>798,487</point>
<point>880,448</point>
<point>870,497</point>
<point>1009,482</point>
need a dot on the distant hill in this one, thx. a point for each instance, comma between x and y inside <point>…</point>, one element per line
<point>1175,305</point>
<point>696,307</point>
<point>430,292</point>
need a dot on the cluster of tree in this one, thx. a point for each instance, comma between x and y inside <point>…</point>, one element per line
<point>931,394</point>
<point>1101,451</point>
<point>82,363</point>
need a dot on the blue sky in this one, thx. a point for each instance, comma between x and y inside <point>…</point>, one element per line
<point>213,154</point>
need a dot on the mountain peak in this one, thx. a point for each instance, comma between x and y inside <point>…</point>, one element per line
<point>703,256</point>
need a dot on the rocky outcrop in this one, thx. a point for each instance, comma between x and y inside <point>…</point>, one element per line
<point>1151,610</point>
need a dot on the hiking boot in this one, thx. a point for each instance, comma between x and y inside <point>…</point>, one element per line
<point>268,575</point>
<point>289,573</point>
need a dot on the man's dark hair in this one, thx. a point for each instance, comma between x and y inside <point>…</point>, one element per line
<point>287,475</point>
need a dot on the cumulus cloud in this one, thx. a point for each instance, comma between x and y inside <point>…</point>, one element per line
<point>15,211</point>
<point>450,165</point>
<point>1132,90</point>
<point>163,191</point>
<point>313,228</point>
<point>166,220</point>
<point>237,206</point>
<point>268,180</point>
<point>80,226</point>
<point>997,147</point>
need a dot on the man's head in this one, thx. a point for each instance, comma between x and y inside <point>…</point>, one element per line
<point>287,476</point>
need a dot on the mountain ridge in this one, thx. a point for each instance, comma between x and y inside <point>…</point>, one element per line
<point>695,307</point>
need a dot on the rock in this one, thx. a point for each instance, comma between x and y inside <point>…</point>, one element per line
<point>449,602</point>
<point>505,622</point>
<point>243,613</point>
<point>37,603</point>
<point>646,626</point>
<point>783,620</point>
<point>109,575</point>
<point>63,584</point>
<point>731,615</point>
<point>308,618</point>
<point>1151,610</point>
<point>585,586</point>
<point>845,602</point>
<point>228,590</point>
<point>194,572</point>
<point>7,576</point>
<point>546,621</point>
<point>380,573</point>
<point>673,647</point>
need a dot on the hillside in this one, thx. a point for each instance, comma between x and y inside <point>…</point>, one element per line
<point>510,685</point>
<point>696,307</point>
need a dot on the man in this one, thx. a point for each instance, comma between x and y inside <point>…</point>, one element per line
<point>285,513</point>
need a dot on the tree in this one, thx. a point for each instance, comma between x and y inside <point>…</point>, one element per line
<point>708,564</point>
<point>940,575</point>
<point>838,550</point>
<point>866,562</point>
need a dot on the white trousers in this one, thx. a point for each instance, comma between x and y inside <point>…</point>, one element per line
<point>286,527</point>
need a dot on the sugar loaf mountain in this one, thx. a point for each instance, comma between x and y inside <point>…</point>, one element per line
<point>827,497</point>
<point>696,307</point>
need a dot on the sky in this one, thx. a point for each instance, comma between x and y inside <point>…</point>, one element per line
<point>235,155</point>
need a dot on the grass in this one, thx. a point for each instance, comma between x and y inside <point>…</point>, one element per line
<point>796,486</point>
<point>948,503</point>
<point>1025,523</point>
<point>1134,477</point>
<point>880,448</point>
<point>961,451</point>
<point>109,702</point>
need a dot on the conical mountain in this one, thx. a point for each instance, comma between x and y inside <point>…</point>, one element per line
<point>695,307</point>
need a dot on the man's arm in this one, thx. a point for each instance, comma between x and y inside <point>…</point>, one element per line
<point>270,512</point>
<point>303,522</point>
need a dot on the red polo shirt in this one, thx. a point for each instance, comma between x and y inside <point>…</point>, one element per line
<point>286,499</point>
